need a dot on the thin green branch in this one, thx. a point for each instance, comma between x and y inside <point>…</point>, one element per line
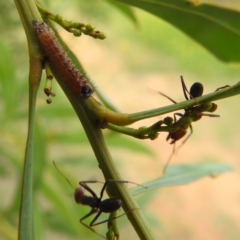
<point>98,144</point>
<point>140,133</point>
<point>113,233</point>
<point>28,11</point>
<point>26,222</point>
<point>74,27</point>
<point>107,165</point>
<point>180,174</point>
<point>101,113</point>
<point>221,94</point>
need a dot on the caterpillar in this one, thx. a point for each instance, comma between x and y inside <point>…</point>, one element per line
<point>59,61</point>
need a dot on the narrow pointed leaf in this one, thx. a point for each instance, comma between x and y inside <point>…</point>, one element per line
<point>215,28</point>
<point>183,174</point>
<point>126,10</point>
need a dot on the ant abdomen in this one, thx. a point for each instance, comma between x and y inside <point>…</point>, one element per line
<point>110,205</point>
<point>196,90</point>
<point>176,135</point>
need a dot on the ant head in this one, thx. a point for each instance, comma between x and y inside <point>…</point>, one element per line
<point>196,90</point>
<point>168,120</point>
<point>78,194</point>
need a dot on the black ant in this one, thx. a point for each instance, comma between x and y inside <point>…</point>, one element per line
<point>96,203</point>
<point>177,128</point>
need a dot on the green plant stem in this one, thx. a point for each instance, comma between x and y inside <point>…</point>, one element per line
<point>26,226</point>
<point>106,102</point>
<point>140,133</point>
<point>7,230</point>
<point>74,27</point>
<point>28,11</point>
<point>221,94</point>
<point>103,114</point>
<point>113,233</point>
<point>107,165</point>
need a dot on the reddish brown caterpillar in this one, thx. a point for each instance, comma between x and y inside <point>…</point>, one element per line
<point>59,61</point>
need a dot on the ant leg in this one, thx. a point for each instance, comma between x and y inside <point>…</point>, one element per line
<point>93,210</point>
<point>184,87</point>
<point>210,115</point>
<point>196,90</point>
<point>222,87</point>
<point>109,219</point>
<point>95,218</point>
<point>169,159</point>
<point>188,136</point>
<point>191,132</point>
<point>85,186</point>
<point>174,135</point>
<point>174,148</point>
<point>90,181</point>
<point>116,181</point>
<point>177,114</point>
<point>124,181</point>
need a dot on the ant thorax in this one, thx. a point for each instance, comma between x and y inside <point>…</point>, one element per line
<point>89,200</point>
<point>84,199</point>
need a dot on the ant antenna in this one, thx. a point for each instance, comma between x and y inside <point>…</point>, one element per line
<point>62,175</point>
<point>169,160</point>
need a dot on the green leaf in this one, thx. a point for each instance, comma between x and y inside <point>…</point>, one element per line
<point>215,28</point>
<point>26,221</point>
<point>8,88</point>
<point>183,174</point>
<point>76,137</point>
<point>39,156</point>
<point>59,200</point>
<point>128,11</point>
<point>55,111</point>
<point>38,221</point>
<point>7,230</point>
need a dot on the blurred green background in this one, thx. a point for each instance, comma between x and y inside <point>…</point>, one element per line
<point>135,61</point>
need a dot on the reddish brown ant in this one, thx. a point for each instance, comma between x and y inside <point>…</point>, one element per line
<point>177,128</point>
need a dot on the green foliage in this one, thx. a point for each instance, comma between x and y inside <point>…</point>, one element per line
<point>183,174</point>
<point>222,24</point>
<point>126,10</point>
<point>58,135</point>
